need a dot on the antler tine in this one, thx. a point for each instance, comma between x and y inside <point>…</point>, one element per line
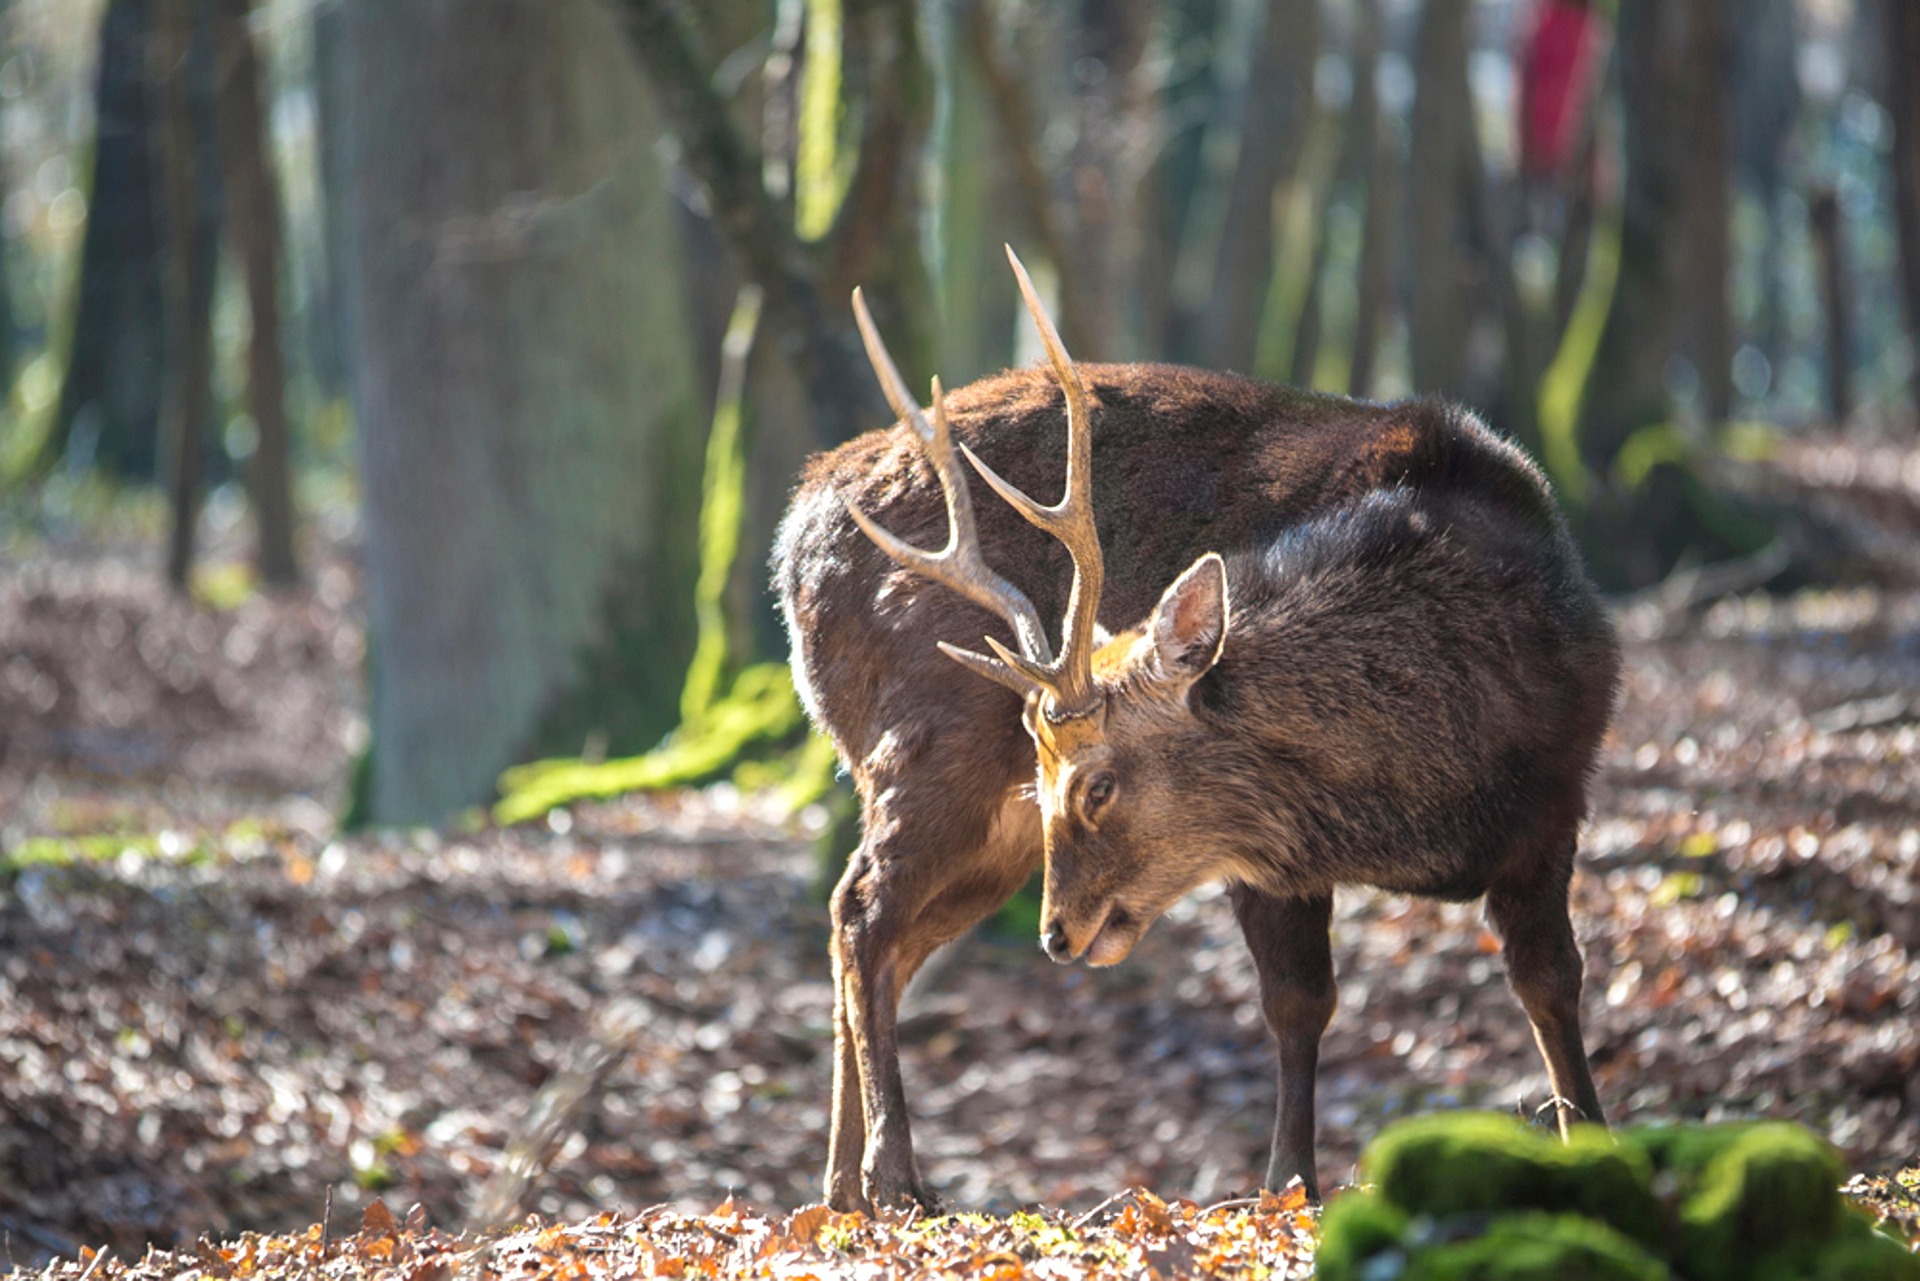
<point>958,565</point>
<point>994,670</point>
<point>1071,520</point>
<point>892,385</point>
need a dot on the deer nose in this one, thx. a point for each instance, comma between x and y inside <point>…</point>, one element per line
<point>1054,941</point>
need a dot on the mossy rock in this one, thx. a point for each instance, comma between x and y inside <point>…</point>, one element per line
<point>1363,1237</point>
<point>1484,1163</point>
<point>1539,1247</point>
<point>1478,1197</point>
<point>1770,1189</point>
<point>1354,1229</point>
<point>1858,1253</point>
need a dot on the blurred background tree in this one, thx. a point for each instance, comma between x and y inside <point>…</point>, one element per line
<point>461,269</point>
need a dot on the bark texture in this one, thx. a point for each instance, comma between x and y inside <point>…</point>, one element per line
<point>527,418</point>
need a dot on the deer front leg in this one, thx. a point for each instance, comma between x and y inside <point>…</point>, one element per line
<point>847,1139</point>
<point>873,966</point>
<point>1291,952</point>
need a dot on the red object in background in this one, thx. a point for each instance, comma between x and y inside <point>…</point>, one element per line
<point>1557,66</point>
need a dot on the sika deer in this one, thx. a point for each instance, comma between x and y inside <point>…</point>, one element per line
<point>1379,662</point>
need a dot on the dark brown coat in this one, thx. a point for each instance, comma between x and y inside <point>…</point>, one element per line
<point>1414,679</point>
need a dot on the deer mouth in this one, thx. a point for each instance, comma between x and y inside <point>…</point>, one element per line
<point>1115,938</point>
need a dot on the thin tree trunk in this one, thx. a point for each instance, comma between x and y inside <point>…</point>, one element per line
<point>819,338</point>
<point>329,324</point>
<point>1273,130</point>
<point>110,395</point>
<point>253,220</point>
<point>8,350</point>
<point>1836,297</point>
<point>1903,54</point>
<point>189,277</point>
<point>1710,206</point>
<point>528,421</point>
<point>1441,195</point>
<point>1374,163</point>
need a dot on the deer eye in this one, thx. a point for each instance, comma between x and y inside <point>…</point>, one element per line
<point>1099,792</point>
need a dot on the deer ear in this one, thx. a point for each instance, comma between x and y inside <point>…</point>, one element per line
<point>1190,622</point>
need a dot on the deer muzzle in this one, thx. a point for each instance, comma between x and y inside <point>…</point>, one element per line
<point>1112,935</point>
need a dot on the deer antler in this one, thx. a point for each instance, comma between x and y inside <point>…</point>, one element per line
<point>1067,681</point>
<point>958,565</point>
<point>1069,678</point>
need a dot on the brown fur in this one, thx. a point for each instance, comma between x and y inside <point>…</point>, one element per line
<point>1414,679</point>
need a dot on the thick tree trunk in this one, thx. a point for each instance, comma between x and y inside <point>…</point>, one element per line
<point>1273,130</point>
<point>1662,104</point>
<point>1902,19</point>
<point>528,423</point>
<point>109,410</point>
<point>253,221</point>
<point>1441,196</point>
<point>1115,110</point>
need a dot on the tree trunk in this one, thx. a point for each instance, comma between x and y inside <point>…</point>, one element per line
<point>528,425</point>
<point>1115,108</point>
<point>253,221</point>
<point>328,322</point>
<point>1710,205</point>
<point>109,410</point>
<point>8,348</point>
<point>1660,116</point>
<point>179,60</point>
<point>1441,195</point>
<point>1374,162</point>
<point>1903,79</point>
<point>1273,129</point>
<point>1836,299</point>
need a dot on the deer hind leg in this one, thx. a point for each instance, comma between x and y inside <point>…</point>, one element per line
<point>891,911</point>
<point>1292,953</point>
<point>1528,910</point>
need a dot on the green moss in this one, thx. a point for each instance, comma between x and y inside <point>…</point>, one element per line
<point>1859,1253</point>
<point>1354,1230</point>
<point>1563,387</point>
<point>1772,1188</point>
<point>1476,1197</point>
<point>1482,1163</point>
<point>1539,1247</point>
<point>762,709</point>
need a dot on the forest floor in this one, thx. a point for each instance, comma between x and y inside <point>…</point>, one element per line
<point>218,1014</point>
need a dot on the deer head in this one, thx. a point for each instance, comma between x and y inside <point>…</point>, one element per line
<point>1105,714</point>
